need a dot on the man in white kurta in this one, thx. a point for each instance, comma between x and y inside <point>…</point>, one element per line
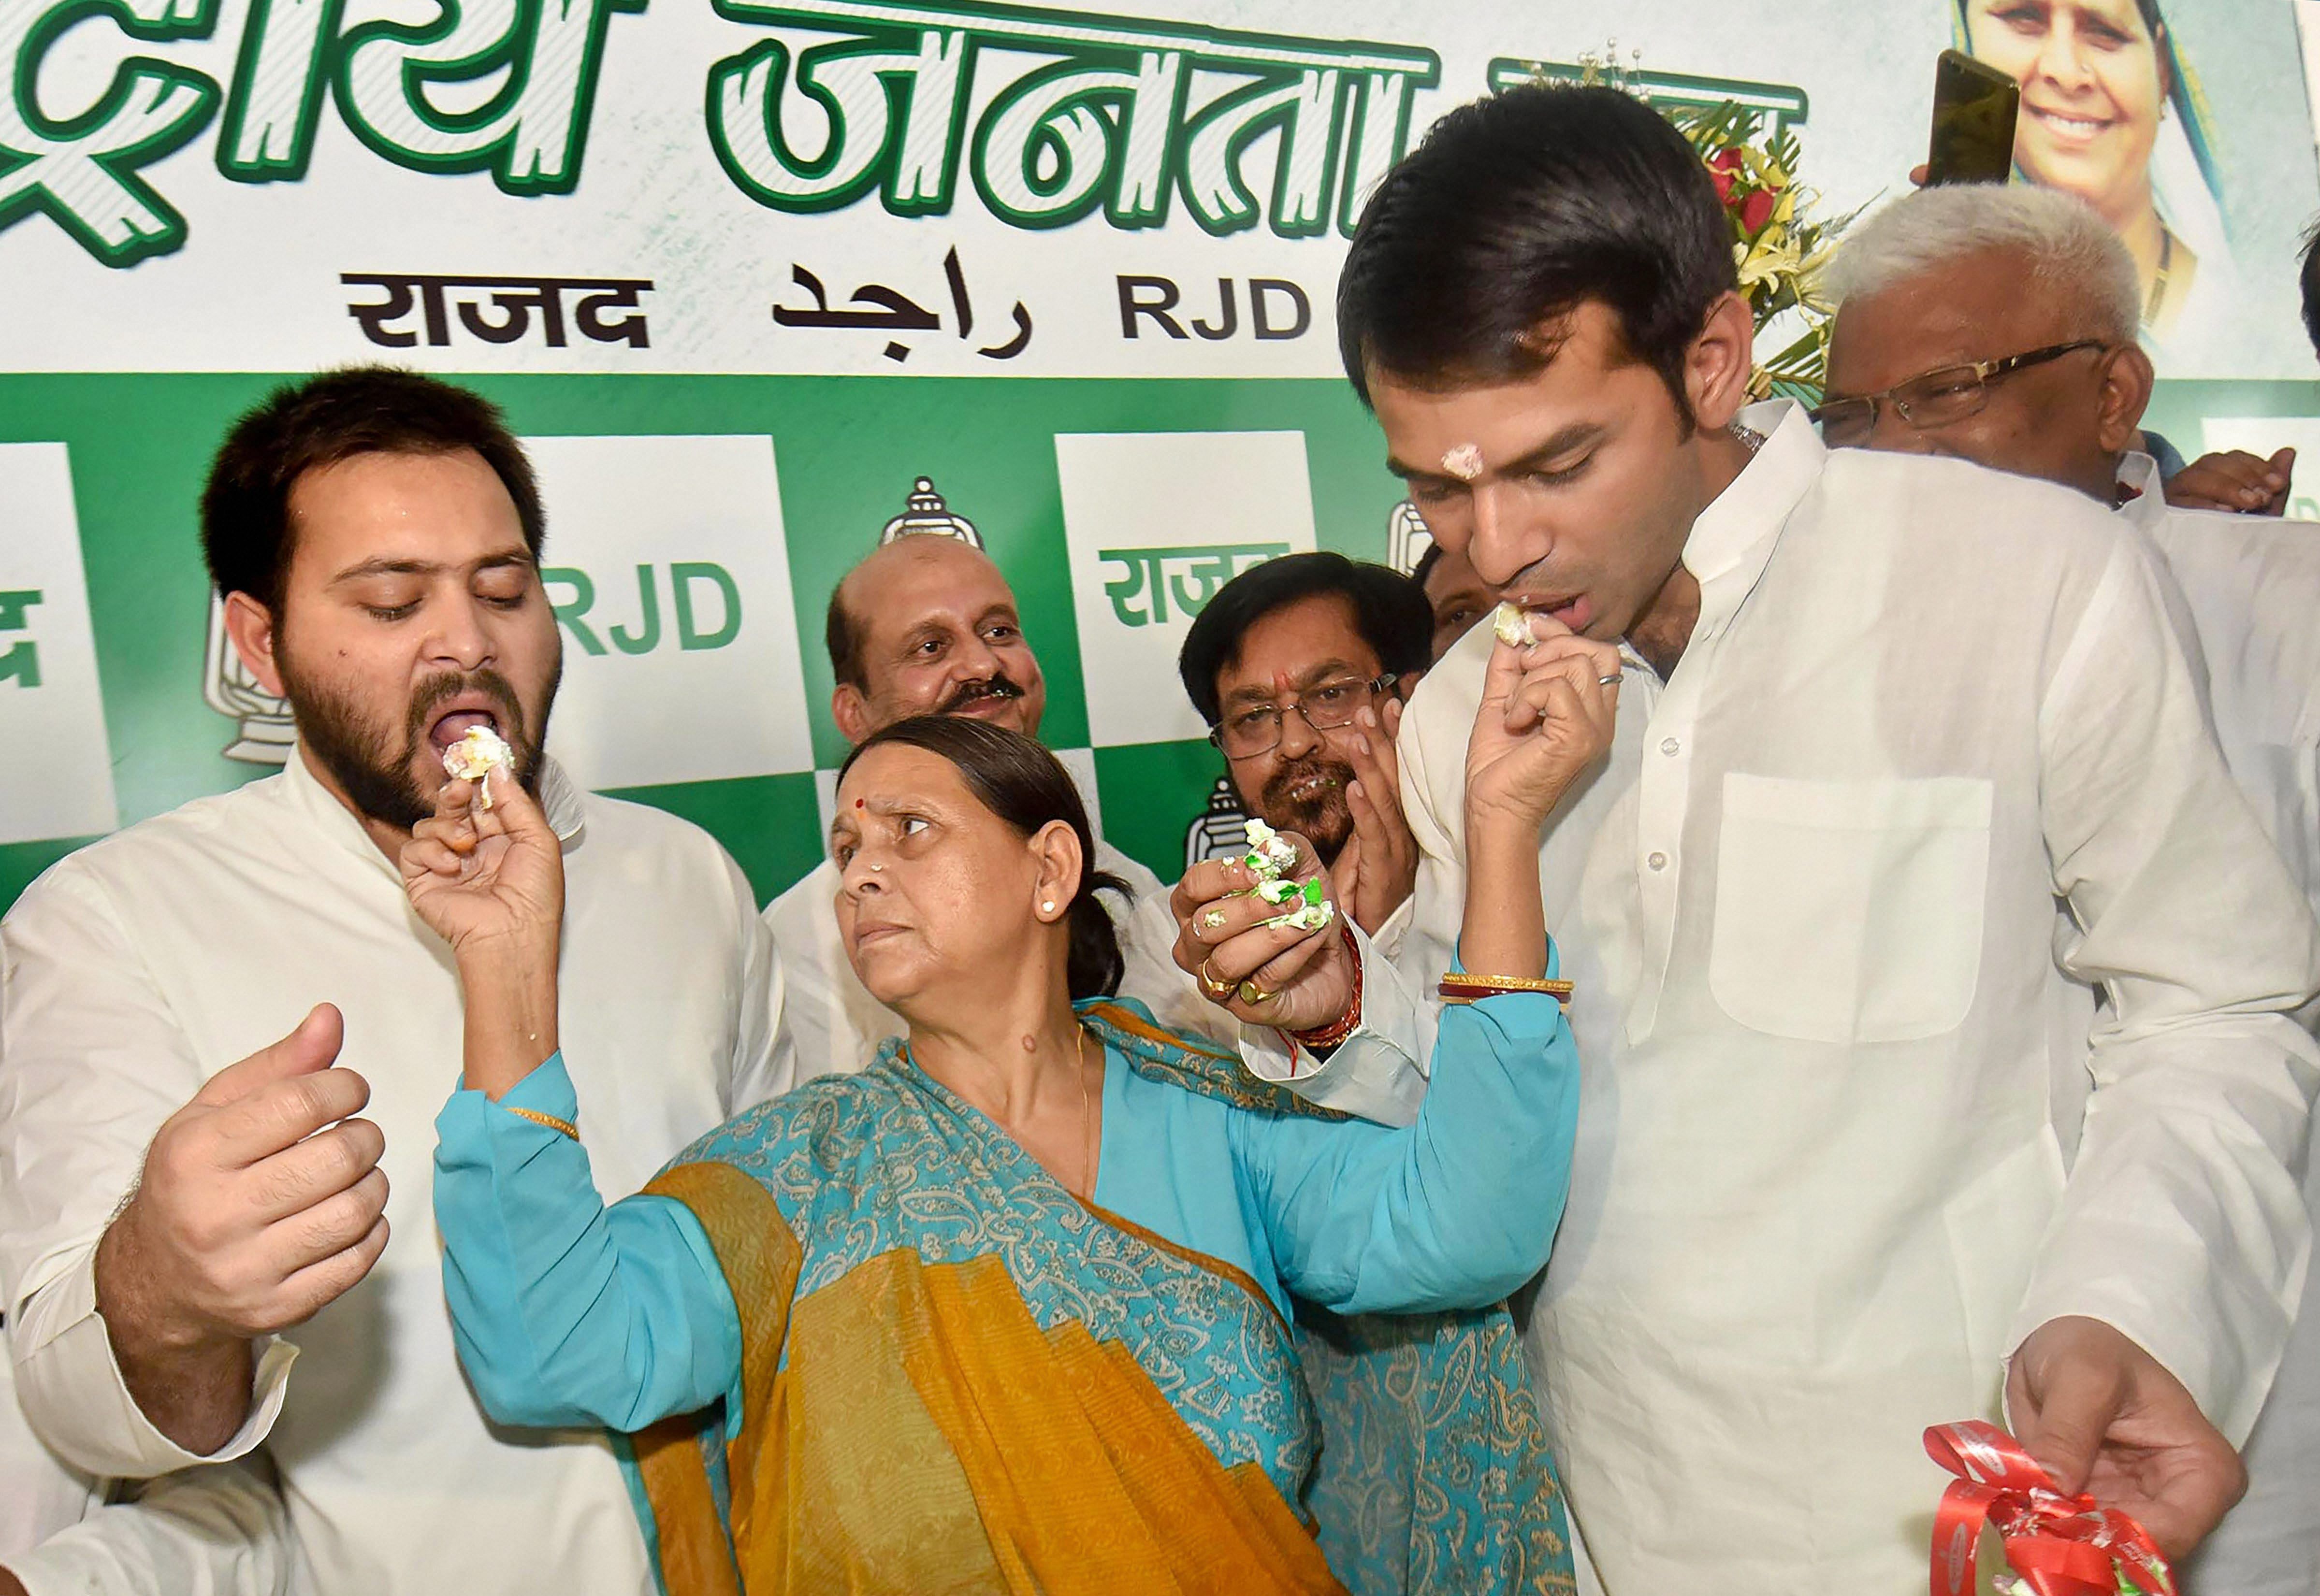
<point>38,1495</point>
<point>1974,274</point>
<point>381,571</point>
<point>143,964</point>
<point>1818,1197</point>
<point>1870,730</point>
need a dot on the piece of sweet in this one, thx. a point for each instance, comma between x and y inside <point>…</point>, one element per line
<point>1269,852</point>
<point>1310,914</point>
<point>1313,909</point>
<point>472,757</point>
<point>1277,891</point>
<point>1512,623</point>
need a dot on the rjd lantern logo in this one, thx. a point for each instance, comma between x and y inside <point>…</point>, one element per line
<point>1087,115</point>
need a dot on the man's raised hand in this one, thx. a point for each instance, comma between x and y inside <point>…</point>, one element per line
<point>261,1201</point>
<point>1293,981</point>
<point>1547,713</point>
<point>1377,868</point>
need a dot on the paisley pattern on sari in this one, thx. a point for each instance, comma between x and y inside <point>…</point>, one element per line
<point>957,1376</point>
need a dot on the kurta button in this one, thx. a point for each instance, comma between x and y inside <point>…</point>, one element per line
<point>1670,747</point>
<point>1658,861</point>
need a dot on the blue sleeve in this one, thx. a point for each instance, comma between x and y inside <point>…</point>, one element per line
<point>567,1312</point>
<point>1456,1211</point>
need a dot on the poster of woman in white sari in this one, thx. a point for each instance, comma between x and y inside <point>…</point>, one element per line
<point>2112,111</point>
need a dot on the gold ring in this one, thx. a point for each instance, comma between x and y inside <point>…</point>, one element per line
<point>1213,988</point>
<point>1255,996</point>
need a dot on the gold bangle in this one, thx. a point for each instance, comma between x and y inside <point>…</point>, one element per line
<point>1462,987</point>
<point>549,1120</point>
<point>1460,977</point>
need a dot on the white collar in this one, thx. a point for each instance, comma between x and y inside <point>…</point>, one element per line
<point>559,797</point>
<point>1733,538</point>
<point>2139,473</point>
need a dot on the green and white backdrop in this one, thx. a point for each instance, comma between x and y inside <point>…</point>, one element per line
<point>744,272</point>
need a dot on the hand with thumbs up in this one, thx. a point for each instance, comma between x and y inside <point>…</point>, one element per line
<point>261,1201</point>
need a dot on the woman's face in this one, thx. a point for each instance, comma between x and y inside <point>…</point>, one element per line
<point>2092,87</point>
<point>936,894</point>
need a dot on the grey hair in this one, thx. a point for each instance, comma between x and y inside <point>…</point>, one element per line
<point>2061,237</point>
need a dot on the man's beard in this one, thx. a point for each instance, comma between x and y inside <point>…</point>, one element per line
<point>1323,818</point>
<point>997,685</point>
<point>375,773</point>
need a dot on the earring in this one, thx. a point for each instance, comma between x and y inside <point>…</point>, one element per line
<point>1047,908</point>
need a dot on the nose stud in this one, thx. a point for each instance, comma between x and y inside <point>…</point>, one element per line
<point>876,866</point>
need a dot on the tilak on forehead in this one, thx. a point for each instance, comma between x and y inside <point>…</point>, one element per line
<point>1463,460</point>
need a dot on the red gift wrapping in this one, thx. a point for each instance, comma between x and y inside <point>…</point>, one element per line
<point>2061,1546</point>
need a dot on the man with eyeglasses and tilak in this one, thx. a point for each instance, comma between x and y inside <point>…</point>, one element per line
<point>1301,667</point>
<point>1998,324</point>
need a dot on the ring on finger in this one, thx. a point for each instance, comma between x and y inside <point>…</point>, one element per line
<point>1255,996</point>
<point>1210,985</point>
<point>1612,681</point>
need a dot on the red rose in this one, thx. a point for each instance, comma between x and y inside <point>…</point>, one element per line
<point>1757,209</point>
<point>1727,159</point>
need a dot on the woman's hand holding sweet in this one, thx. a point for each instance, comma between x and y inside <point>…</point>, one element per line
<point>490,882</point>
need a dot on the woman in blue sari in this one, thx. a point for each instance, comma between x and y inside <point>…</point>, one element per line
<point>1010,1310</point>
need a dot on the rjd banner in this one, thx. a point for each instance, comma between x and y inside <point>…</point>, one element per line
<point>704,253</point>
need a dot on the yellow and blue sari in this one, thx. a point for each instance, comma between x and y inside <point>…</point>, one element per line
<point>858,1339</point>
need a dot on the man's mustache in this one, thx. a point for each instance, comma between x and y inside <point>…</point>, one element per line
<point>436,690</point>
<point>1276,790</point>
<point>1001,685</point>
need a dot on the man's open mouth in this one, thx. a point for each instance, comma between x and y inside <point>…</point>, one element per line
<point>453,721</point>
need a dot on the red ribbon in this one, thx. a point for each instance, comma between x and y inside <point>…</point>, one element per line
<point>2061,1546</point>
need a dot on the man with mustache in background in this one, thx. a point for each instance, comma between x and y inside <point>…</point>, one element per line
<point>1300,667</point>
<point>926,625</point>
<point>228,1016</point>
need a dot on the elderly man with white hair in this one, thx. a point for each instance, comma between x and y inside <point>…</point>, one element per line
<point>1998,324</point>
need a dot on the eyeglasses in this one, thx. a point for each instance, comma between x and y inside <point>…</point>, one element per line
<point>1247,733</point>
<point>1938,398</point>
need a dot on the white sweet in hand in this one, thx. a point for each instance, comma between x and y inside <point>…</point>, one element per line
<point>1269,852</point>
<point>472,757</point>
<point>1512,623</point>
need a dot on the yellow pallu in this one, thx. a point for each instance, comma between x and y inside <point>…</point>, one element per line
<point>958,1377</point>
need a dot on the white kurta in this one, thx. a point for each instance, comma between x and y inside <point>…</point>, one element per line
<point>38,1495</point>
<point>142,965</point>
<point>2252,583</point>
<point>1809,903</point>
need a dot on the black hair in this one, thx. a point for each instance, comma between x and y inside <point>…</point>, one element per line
<point>2311,283</point>
<point>1427,562</point>
<point>843,638</point>
<point>1026,787</point>
<point>1518,209</point>
<point>1389,611</point>
<point>337,414</point>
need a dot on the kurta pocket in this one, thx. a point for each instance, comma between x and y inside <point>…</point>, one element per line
<point>1850,911</point>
